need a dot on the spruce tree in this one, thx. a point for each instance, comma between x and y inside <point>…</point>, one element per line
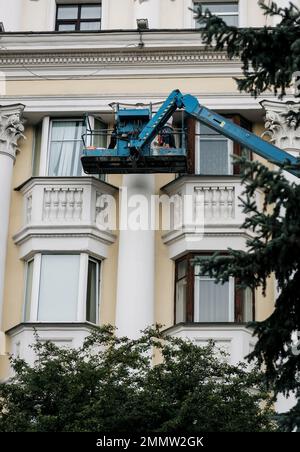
<point>270,56</point>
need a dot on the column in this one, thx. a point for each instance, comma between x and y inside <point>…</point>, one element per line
<point>135,282</point>
<point>11,129</point>
<point>280,132</point>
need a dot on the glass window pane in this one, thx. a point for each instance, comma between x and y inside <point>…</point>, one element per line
<point>90,26</point>
<point>92,292</point>
<point>181,300</point>
<point>205,130</point>
<point>67,12</point>
<point>66,130</point>
<point>64,159</point>
<point>28,291</point>
<point>58,295</point>
<point>214,156</point>
<point>220,8</point>
<point>91,12</point>
<point>181,269</point>
<point>100,138</point>
<point>232,21</point>
<point>247,305</point>
<point>66,27</point>
<point>65,149</point>
<point>211,300</point>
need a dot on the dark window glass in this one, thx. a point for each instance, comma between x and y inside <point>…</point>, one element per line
<point>78,17</point>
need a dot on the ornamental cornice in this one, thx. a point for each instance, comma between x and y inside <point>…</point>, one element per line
<point>67,58</point>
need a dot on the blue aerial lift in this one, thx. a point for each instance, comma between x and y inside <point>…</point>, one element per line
<point>131,151</point>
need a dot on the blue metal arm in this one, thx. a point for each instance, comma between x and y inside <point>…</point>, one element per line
<point>217,122</point>
<point>160,118</point>
<point>230,130</point>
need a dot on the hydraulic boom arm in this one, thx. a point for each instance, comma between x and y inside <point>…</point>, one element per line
<point>217,122</point>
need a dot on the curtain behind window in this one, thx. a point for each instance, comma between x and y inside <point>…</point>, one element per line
<point>65,148</point>
<point>214,153</point>
<point>58,297</point>
<point>212,301</point>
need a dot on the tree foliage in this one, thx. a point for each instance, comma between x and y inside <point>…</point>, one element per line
<point>110,385</point>
<point>270,57</point>
<point>273,250</point>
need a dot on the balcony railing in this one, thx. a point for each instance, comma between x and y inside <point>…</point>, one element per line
<point>234,339</point>
<point>63,207</point>
<point>205,207</point>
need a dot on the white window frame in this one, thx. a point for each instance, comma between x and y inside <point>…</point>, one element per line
<point>98,279</point>
<point>208,137</point>
<point>231,307</point>
<point>25,301</point>
<point>82,288</point>
<point>238,14</point>
<point>46,142</point>
<point>52,120</point>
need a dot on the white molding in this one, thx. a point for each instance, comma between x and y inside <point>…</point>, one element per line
<point>100,103</point>
<point>106,39</point>
<point>75,227</point>
<point>82,289</point>
<point>65,334</point>
<point>236,339</point>
<point>44,146</point>
<point>36,278</point>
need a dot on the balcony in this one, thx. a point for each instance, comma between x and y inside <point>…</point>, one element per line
<point>234,339</point>
<point>207,215</point>
<point>64,214</point>
<point>22,337</point>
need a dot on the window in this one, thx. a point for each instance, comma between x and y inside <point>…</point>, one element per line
<point>65,147</point>
<point>209,152</point>
<point>228,11</point>
<point>215,153</point>
<point>212,302</point>
<point>198,298</point>
<point>58,296</point>
<point>181,291</point>
<point>58,146</point>
<point>28,290</point>
<point>92,291</point>
<point>100,137</point>
<point>55,293</point>
<point>78,17</point>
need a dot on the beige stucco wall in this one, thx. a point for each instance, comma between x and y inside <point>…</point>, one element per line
<point>129,85</point>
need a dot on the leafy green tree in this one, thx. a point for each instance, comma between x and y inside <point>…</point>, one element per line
<point>110,385</point>
<point>270,56</point>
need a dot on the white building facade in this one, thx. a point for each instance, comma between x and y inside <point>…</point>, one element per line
<point>61,273</point>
